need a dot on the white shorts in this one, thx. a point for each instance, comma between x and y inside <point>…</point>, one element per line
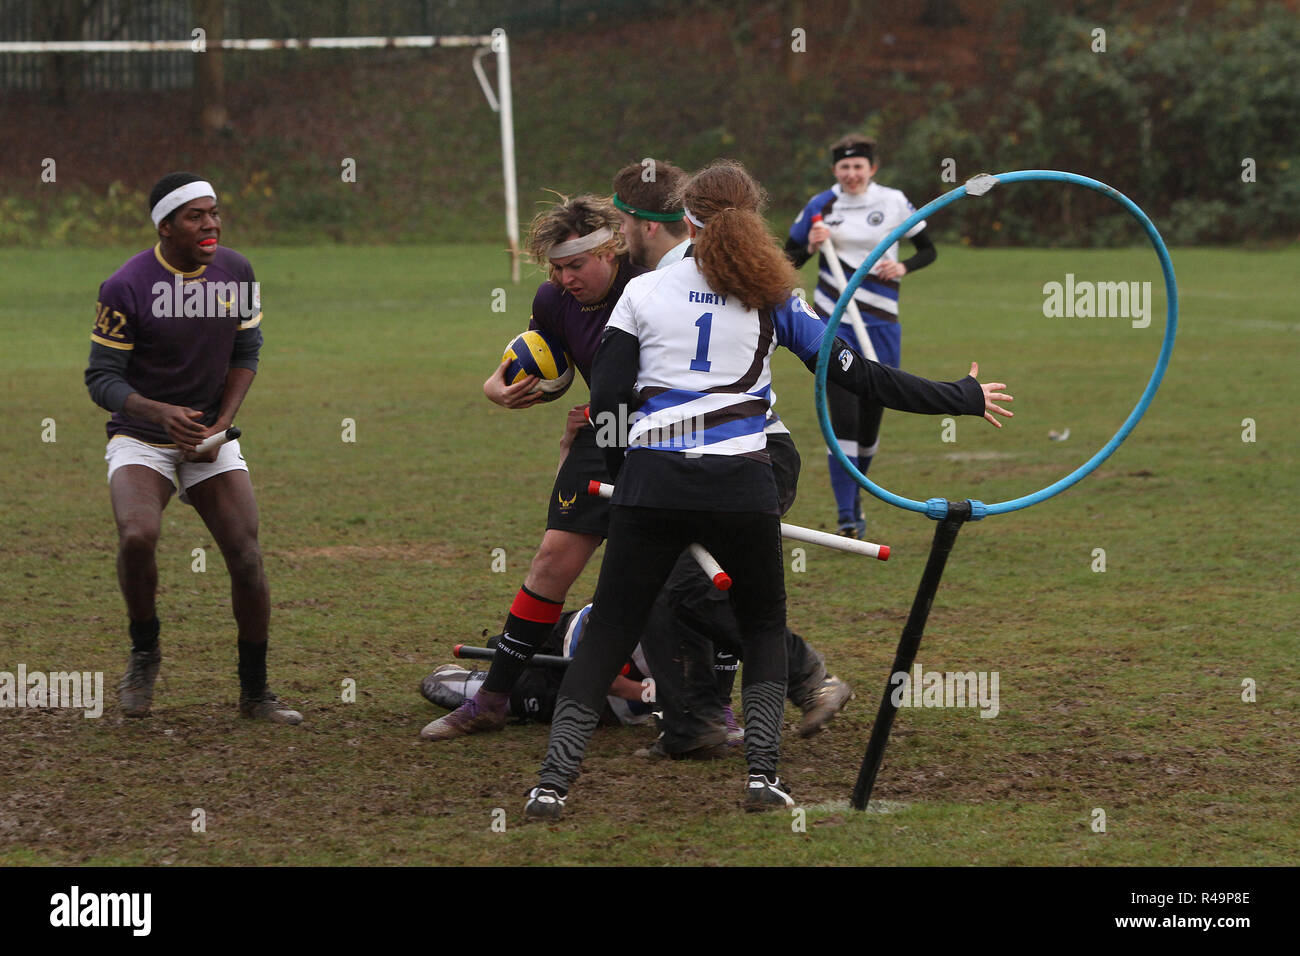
<point>125,450</point>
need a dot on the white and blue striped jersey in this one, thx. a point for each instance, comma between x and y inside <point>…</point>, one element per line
<point>857,225</point>
<point>704,383</point>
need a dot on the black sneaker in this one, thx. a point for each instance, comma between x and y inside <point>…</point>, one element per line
<point>762,793</point>
<point>544,804</point>
<point>135,690</point>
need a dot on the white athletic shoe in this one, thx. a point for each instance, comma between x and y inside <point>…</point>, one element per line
<point>441,687</point>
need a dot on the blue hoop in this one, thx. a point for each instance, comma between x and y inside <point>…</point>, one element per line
<point>937,508</point>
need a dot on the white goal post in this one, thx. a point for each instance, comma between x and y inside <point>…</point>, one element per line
<point>501,102</point>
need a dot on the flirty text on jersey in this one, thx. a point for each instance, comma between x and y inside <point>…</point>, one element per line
<point>709,298</point>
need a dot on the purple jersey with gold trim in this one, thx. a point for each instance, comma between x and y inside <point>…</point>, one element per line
<point>579,326</point>
<point>179,328</point>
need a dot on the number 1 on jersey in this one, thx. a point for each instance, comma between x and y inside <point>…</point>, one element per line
<point>701,361</point>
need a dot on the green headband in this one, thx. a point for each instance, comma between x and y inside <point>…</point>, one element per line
<point>652,216</point>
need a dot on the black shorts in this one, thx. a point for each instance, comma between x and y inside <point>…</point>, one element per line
<point>571,508</point>
<point>785,468</point>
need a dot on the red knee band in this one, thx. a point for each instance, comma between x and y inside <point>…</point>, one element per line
<point>530,608</point>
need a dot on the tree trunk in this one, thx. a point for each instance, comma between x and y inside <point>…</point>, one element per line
<point>942,13</point>
<point>797,67</point>
<point>59,20</point>
<point>210,69</point>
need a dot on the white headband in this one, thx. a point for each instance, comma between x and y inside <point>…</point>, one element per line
<point>690,217</point>
<point>572,247</point>
<point>179,197</point>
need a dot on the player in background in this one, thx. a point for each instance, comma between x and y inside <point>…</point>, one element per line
<point>857,212</point>
<point>173,353</point>
<point>695,664</point>
<point>580,240</point>
<point>695,337</point>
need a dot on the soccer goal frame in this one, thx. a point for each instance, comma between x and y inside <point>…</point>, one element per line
<point>497,42</point>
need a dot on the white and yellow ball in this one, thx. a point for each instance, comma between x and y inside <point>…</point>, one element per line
<point>540,354</point>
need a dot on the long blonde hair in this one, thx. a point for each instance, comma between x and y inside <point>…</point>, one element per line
<point>735,251</point>
<point>582,215</point>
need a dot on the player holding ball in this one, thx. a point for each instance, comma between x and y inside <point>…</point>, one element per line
<point>580,240</point>
<point>697,339</point>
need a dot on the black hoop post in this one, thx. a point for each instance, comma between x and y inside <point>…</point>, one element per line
<point>945,536</point>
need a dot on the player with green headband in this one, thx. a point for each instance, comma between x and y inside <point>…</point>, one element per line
<point>655,231</point>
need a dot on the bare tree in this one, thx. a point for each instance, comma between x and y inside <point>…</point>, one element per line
<point>61,20</point>
<point>210,69</point>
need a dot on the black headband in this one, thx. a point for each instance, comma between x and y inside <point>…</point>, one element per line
<point>856,149</point>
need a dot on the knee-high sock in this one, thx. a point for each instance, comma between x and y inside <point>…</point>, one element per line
<point>845,488</point>
<point>764,709</point>
<point>571,729</point>
<point>252,668</point>
<point>529,622</point>
<point>144,634</point>
<point>724,673</point>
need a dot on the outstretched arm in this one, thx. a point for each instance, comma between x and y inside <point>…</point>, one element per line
<point>992,395</point>
<point>905,392</point>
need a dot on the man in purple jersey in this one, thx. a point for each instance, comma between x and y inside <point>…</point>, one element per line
<point>580,240</point>
<point>173,352</point>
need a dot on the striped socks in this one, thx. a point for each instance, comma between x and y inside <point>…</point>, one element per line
<point>764,703</point>
<point>571,728</point>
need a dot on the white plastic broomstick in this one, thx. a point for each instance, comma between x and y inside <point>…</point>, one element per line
<point>855,317</point>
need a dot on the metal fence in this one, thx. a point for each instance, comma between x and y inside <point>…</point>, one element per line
<point>102,20</point>
<point>62,73</point>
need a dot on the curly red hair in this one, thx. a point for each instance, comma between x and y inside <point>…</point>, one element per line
<point>735,251</point>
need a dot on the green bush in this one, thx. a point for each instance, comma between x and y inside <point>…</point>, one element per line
<point>73,215</point>
<point>1166,116</point>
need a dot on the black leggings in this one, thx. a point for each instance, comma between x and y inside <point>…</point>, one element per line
<point>643,546</point>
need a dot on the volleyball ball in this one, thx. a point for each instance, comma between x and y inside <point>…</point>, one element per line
<point>540,354</point>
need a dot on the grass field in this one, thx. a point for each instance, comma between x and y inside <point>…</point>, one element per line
<point>1120,690</point>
